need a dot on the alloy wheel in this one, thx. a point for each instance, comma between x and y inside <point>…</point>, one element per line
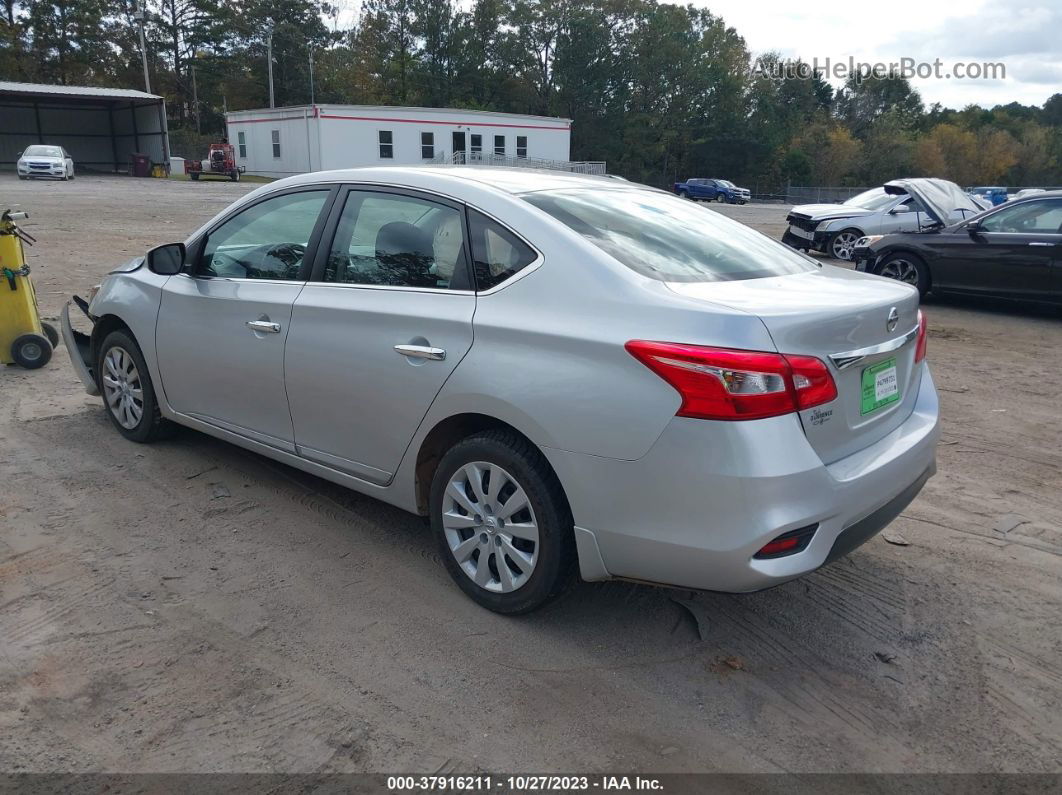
<point>122,388</point>
<point>490,527</point>
<point>902,270</point>
<point>844,245</point>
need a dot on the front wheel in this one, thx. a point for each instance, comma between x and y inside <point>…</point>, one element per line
<point>843,244</point>
<point>51,332</point>
<point>907,268</point>
<point>128,394</point>
<point>235,176</point>
<point>502,522</point>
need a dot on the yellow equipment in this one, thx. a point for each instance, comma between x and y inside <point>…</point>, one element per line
<point>24,339</point>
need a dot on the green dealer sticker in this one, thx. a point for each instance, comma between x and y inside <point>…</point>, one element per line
<point>880,386</point>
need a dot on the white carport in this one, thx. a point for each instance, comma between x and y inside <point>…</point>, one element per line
<point>99,127</point>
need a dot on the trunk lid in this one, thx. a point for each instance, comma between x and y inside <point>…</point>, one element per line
<point>832,314</point>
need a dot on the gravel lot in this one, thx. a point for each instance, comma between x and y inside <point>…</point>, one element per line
<point>190,606</point>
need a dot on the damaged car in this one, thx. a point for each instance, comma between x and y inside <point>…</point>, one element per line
<point>1013,252</point>
<point>897,206</point>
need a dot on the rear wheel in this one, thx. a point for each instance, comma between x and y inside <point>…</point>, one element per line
<point>51,333</point>
<point>502,522</point>
<point>843,244</point>
<point>128,394</point>
<point>907,268</point>
<point>31,351</point>
<point>235,176</point>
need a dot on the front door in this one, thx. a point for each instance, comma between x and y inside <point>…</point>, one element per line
<point>222,327</point>
<point>1013,251</point>
<point>376,333</point>
<point>458,141</point>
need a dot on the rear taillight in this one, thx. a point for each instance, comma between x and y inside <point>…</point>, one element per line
<point>725,384</point>
<point>920,346</point>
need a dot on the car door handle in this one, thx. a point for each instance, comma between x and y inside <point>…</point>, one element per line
<point>421,352</point>
<point>263,326</point>
<point>1041,243</point>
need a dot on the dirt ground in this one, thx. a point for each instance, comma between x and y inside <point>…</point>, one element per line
<point>190,606</point>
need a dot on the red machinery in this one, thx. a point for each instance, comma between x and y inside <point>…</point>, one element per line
<point>221,160</point>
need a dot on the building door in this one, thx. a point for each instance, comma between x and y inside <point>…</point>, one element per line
<point>459,147</point>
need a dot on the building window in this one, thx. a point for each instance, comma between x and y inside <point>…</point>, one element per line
<point>241,138</point>
<point>499,145</point>
<point>476,143</point>
<point>427,145</point>
<point>276,143</point>
<point>387,148</point>
<point>521,146</point>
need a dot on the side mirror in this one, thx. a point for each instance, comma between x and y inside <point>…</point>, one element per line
<point>974,229</point>
<point>166,260</point>
<point>900,209</point>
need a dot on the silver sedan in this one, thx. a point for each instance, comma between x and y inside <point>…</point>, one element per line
<point>560,371</point>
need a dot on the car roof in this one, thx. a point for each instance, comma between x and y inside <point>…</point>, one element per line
<point>512,180</point>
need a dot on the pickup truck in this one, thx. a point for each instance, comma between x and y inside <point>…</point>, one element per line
<point>720,190</point>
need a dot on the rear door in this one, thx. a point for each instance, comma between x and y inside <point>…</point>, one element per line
<point>222,327</point>
<point>375,334</point>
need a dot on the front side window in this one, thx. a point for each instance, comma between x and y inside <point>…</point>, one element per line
<point>387,146</point>
<point>276,143</point>
<point>666,238</point>
<point>427,145</point>
<point>392,240</point>
<point>497,253</point>
<point>241,138</point>
<point>266,241</point>
<point>1038,217</point>
<point>499,145</point>
<point>521,146</point>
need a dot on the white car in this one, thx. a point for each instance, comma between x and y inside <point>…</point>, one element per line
<point>902,205</point>
<point>42,160</point>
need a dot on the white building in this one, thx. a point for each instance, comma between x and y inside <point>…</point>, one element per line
<point>278,142</point>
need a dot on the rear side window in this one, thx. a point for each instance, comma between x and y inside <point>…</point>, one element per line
<point>663,237</point>
<point>497,253</point>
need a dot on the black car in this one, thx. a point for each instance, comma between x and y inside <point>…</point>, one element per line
<point>1013,251</point>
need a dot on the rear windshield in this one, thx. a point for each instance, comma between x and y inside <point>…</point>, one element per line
<point>668,238</point>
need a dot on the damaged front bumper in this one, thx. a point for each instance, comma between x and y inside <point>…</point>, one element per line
<point>79,347</point>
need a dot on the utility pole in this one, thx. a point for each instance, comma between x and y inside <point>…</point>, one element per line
<point>140,16</point>
<point>311,75</point>
<point>269,58</point>
<point>195,99</point>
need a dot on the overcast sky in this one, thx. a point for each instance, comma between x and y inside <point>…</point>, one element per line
<point>1025,35</point>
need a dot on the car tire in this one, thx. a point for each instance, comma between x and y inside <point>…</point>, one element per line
<point>842,244</point>
<point>235,176</point>
<point>720,198</point>
<point>194,176</point>
<point>20,176</point>
<point>683,194</point>
<point>52,333</point>
<point>137,417</point>
<point>503,570</point>
<point>31,351</point>
<point>907,268</point>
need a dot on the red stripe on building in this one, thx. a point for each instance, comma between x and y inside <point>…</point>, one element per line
<point>450,123</point>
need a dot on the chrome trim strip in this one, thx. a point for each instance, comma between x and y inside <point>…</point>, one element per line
<point>848,358</point>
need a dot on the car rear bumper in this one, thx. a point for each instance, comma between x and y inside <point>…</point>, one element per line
<point>704,500</point>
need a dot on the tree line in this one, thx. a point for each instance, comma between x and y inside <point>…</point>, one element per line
<point>661,92</point>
